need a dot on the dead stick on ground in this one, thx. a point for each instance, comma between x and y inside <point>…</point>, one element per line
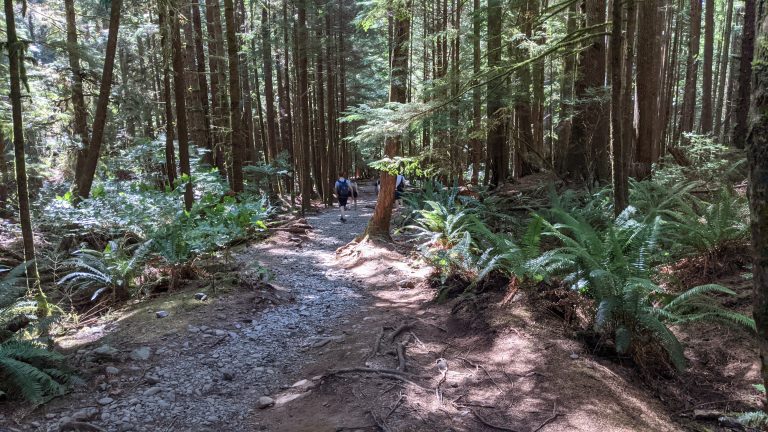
<point>401,353</point>
<point>484,370</point>
<point>489,424</point>
<point>376,345</point>
<point>548,420</point>
<point>397,404</point>
<point>386,373</point>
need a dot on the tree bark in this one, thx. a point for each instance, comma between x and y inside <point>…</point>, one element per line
<point>724,71</point>
<point>235,112</point>
<point>180,94</point>
<point>709,47</point>
<point>217,66</point>
<point>496,140</point>
<point>691,70</point>
<point>170,150</point>
<point>85,177</point>
<point>303,90</point>
<point>15,57</point>
<point>476,141</point>
<point>78,100</point>
<point>617,137</point>
<point>757,158</point>
<point>378,227</point>
<point>741,104</point>
<point>647,149</point>
<point>202,82</point>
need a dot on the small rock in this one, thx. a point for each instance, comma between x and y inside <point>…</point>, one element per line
<point>219,333</point>
<point>228,375</point>
<point>193,329</point>
<point>152,379</point>
<point>152,391</point>
<point>105,401</point>
<point>574,356</point>
<point>265,402</point>
<point>111,370</point>
<point>106,352</point>
<point>141,354</point>
<point>201,296</point>
<point>161,314</point>
<point>300,383</point>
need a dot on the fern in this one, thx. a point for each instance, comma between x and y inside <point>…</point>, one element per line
<point>615,267</point>
<point>31,372</point>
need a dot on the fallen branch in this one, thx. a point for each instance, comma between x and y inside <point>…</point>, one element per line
<point>385,373</point>
<point>550,419</point>
<point>491,425</point>
<point>401,353</point>
<point>484,370</point>
<point>394,407</point>
<point>376,345</point>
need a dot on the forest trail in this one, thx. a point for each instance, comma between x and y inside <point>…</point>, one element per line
<point>209,366</point>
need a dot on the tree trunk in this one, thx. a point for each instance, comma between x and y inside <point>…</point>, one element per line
<point>724,71</point>
<point>757,158</point>
<point>180,94</point>
<point>691,70</point>
<point>496,141</point>
<point>476,141</point>
<point>195,115</point>
<point>617,137</point>
<point>15,57</point>
<point>235,111</point>
<point>303,90</point>
<point>217,65</point>
<point>202,81</point>
<point>587,156</point>
<point>566,95</point>
<point>331,104</point>
<point>78,100</point>
<point>170,151</point>
<point>322,138</point>
<point>709,42</point>
<point>741,104</point>
<point>647,149</point>
<point>378,227</point>
<point>269,92</point>
<point>85,177</point>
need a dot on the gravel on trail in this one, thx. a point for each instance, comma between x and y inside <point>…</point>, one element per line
<point>210,377</point>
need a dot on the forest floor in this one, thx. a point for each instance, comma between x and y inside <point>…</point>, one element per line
<point>312,348</point>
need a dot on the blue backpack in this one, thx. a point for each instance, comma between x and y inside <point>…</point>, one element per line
<point>342,189</point>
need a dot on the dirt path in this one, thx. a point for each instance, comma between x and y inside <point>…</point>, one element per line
<point>258,356</point>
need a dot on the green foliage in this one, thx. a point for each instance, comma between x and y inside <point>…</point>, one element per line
<point>710,162</point>
<point>31,372</point>
<point>754,419</point>
<point>718,224</point>
<point>112,270</point>
<point>615,267</point>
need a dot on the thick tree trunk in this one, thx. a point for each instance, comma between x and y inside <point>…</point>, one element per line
<point>15,57</point>
<point>180,94</point>
<point>378,227</point>
<point>331,108</point>
<point>321,140</point>
<point>647,149</point>
<point>498,154</point>
<point>269,92</point>
<point>565,127</point>
<point>85,177</point>
<point>235,112</point>
<point>195,115</point>
<point>709,49</point>
<point>757,158</point>
<point>741,104</point>
<point>78,100</point>
<point>587,156</point>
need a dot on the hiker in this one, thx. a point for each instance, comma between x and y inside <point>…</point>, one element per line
<point>343,191</point>
<point>355,192</point>
<point>399,187</point>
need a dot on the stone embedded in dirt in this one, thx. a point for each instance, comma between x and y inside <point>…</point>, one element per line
<point>152,379</point>
<point>105,401</point>
<point>106,352</point>
<point>265,402</point>
<point>219,333</point>
<point>227,375</point>
<point>85,414</point>
<point>141,354</point>
<point>111,370</point>
<point>201,296</point>
<point>193,329</point>
<point>161,314</point>
<point>574,356</point>
<point>152,391</point>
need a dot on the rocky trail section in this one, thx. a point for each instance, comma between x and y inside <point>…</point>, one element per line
<point>231,355</point>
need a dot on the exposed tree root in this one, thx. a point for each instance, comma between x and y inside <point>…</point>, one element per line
<point>385,373</point>
<point>489,424</point>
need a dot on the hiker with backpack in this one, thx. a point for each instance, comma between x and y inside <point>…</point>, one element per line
<point>343,189</point>
<point>355,192</point>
